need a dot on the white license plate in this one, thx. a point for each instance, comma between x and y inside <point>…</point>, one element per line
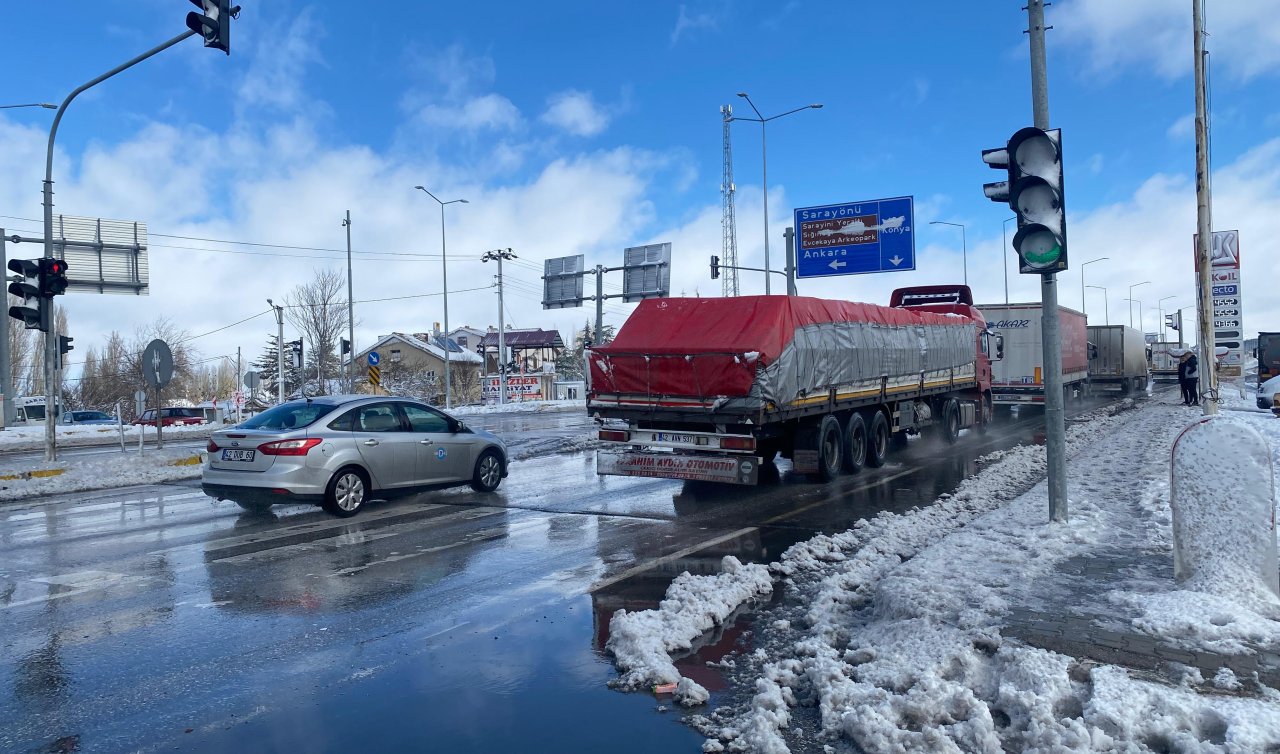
<point>238,455</point>
<point>672,437</point>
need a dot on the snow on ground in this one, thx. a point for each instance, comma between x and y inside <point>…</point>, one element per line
<point>101,472</point>
<point>520,407</point>
<point>31,437</point>
<point>890,636</point>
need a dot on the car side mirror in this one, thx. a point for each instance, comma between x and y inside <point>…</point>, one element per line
<point>456,426</point>
<point>999,347</point>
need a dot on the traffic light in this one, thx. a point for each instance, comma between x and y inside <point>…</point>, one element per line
<point>715,267</point>
<point>53,277</point>
<point>37,317</point>
<point>214,24</point>
<point>64,347</point>
<point>296,347</point>
<point>1034,191</point>
<point>1173,321</point>
<point>344,346</point>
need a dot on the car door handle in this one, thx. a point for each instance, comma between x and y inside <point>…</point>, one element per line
<point>426,442</point>
<point>370,443</point>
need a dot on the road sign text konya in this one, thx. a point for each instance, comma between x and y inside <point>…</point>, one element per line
<point>855,238</point>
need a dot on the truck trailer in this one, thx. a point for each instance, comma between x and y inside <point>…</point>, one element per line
<point>1164,359</point>
<point>1018,379</point>
<point>1268,356</point>
<point>1117,359</point>
<point>710,389</point>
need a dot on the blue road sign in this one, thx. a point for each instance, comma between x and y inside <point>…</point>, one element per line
<point>856,238</point>
<point>374,358</point>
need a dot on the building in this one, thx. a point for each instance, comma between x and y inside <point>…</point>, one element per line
<point>467,337</point>
<point>532,350</point>
<point>413,365</point>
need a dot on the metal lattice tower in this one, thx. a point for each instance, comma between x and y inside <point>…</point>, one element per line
<point>728,222</point>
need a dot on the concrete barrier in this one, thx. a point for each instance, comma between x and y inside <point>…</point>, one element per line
<point>1223,499</point>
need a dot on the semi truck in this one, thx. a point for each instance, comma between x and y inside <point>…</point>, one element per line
<point>1268,355</point>
<point>1018,379</point>
<point>1164,359</point>
<point>711,389</point>
<point>1117,358</point>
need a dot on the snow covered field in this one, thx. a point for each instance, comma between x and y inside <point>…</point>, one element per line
<point>896,635</point>
<point>31,437</point>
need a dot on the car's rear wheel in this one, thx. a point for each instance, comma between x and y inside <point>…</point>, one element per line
<point>488,472</point>
<point>347,492</point>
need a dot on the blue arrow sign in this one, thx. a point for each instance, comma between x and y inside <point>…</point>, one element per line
<point>374,358</point>
<point>855,238</point>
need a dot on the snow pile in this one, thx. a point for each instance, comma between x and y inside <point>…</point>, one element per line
<point>642,642</point>
<point>895,632</point>
<point>96,473</point>
<point>31,436</point>
<point>520,407</point>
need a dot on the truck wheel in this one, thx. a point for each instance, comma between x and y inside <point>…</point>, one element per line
<point>951,422</point>
<point>829,449</point>
<point>988,415</point>
<point>1126,387</point>
<point>855,444</point>
<point>877,440</point>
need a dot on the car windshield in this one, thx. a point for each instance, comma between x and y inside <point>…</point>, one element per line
<point>289,416</point>
<point>82,416</point>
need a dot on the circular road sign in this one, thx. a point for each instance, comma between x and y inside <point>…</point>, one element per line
<point>374,358</point>
<point>157,364</point>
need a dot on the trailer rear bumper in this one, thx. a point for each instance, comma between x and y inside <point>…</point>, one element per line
<point>704,468</point>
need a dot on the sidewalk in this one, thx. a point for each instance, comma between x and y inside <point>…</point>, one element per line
<point>974,624</point>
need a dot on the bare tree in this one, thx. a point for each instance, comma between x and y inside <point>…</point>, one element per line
<point>319,310</point>
<point>21,344</point>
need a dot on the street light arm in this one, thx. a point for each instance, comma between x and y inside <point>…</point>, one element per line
<point>746,97</point>
<point>789,112</point>
<point>45,105</point>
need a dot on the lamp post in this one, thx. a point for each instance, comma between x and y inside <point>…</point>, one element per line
<point>764,170</point>
<point>964,247</point>
<point>1106,305</point>
<point>279,310</point>
<point>1083,309</point>
<point>1131,299</point>
<point>1004,255</point>
<point>1137,301</point>
<point>444,269</point>
<point>1160,309</point>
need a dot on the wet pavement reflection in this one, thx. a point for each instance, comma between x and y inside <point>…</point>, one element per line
<point>158,618</point>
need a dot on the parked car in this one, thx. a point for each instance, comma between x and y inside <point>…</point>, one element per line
<point>171,417</point>
<point>339,451</point>
<point>1267,395</point>
<point>86,417</point>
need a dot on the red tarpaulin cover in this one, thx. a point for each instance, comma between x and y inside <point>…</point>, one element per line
<point>726,338</point>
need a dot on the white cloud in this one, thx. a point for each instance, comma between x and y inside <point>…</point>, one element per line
<point>1244,35</point>
<point>489,111</point>
<point>687,22</point>
<point>1184,128</point>
<point>280,58</point>
<point>1095,163</point>
<point>576,113</point>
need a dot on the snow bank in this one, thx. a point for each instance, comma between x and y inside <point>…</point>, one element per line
<point>31,437</point>
<point>642,642</point>
<point>79,474</point>
<point>520,407</point>
<point>895,627</point>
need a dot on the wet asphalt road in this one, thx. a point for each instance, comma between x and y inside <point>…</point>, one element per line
<point>156,618</point>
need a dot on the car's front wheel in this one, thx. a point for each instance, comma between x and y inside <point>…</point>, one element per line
<point>488,472</point>
<point>347,492</point>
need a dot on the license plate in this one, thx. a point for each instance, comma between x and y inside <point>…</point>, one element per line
<point>672,437</point>
<point>238,455</point>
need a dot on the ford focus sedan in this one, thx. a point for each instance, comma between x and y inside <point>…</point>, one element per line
<point>339,451</point>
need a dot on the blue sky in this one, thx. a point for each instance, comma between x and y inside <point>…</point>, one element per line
<point>585,127</point>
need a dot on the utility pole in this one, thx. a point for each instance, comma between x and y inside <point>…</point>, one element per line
<point>279,351</point>
<point>1204,221</point>
<point>351,314</point>
<point>239,384</point>
<point>6,369</point>
<point>1054,398</point>
<point>499,255</point>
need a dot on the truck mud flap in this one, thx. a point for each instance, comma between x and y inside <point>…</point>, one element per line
<point>725,469</point>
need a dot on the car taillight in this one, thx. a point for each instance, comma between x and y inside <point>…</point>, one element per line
<point>289,447</point>
<point>738,443</point>
<point>615,435</point>
<point>212,447</point>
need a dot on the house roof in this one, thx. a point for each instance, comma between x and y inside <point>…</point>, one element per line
<point>525,339</point>
<point>458,356</point>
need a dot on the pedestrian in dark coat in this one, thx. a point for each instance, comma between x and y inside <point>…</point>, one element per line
<point>1188,378</point>
<point>1193,380</point>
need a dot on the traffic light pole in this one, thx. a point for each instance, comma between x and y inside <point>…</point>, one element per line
<point>1054,398</point>
<point>50,340</point>
<point>6,370</point>
<point>351,315</point>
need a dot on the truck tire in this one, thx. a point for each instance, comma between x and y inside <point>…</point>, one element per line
<point>877,439</point>
<point>950,422</point>
<point>855,444</point>
<point>830,449</point>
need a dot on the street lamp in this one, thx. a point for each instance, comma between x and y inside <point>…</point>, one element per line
<point>1160,308</point>
<point>764,169</point>
<point>1106,305</point>
<point>1082,304</point>
<point>964,248</point>
<point>45,105</point>
<point>1131,299</point>
<point>279,310</point>
<point>1004,254</point>
<point>444,265</point>
<point>1137,301</point>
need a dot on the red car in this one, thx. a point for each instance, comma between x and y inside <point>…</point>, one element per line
<point>171,417</point>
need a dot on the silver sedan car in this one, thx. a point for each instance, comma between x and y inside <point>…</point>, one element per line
<point>339,451</point>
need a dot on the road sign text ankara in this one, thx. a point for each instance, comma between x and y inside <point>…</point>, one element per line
<point>855,238</point>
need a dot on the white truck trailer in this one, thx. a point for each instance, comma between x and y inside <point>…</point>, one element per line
<point>1018,379</point>
<point>1117,359</point>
